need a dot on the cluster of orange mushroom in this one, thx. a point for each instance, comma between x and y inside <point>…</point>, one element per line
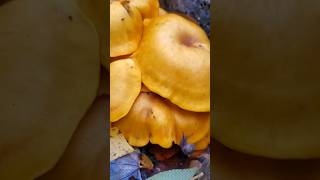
<point>159,76</point>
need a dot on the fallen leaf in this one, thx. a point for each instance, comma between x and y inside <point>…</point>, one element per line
<point>119,146</point>
<point>126,167</point>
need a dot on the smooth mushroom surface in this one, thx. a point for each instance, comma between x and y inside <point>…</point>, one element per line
<point>125,28</point>
<point>174,58</point>
<point>150,119</point>
<point>125,86</point>
<point>156,120</point>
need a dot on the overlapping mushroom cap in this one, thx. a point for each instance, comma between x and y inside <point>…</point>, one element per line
<point>174,100</point>
<point>174,57</point>
<point>125,28</point>
<point>125,85</point>
<point>192,125</point>
<point>153,118</point>
<point>150,119</point>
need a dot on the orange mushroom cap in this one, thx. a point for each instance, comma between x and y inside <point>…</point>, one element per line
<point>155,119</point>
<point>192,125</point>
<point>125,85</point>
<point>150,119</point>
<point>174,58</point>
<point>125,28</point>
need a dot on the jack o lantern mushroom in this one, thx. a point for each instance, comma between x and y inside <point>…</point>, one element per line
<point>192,125</point>
<point>174,58</point>
<point>125,28</point>
<point>171,104</point>
<point>150,119</point>
<point>155,119</point>
<point>125,86</point>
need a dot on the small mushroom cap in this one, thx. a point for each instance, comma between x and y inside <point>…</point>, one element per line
<point>174,58</point>
<point>125,86</point>
<point>125,28</point>
<point>192,125</point>
<point>150,119</point>
<point>147,8</point>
